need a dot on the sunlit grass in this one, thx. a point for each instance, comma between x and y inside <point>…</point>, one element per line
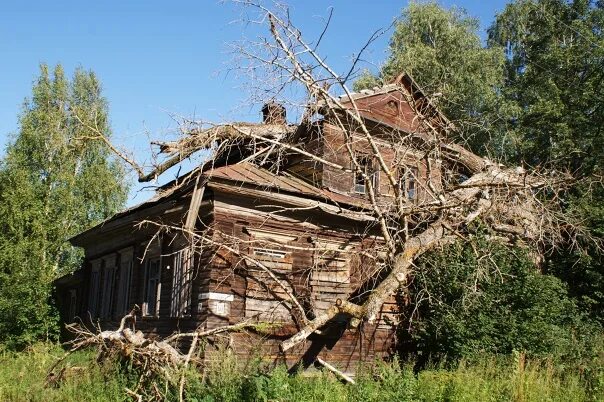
<point>23,375</point>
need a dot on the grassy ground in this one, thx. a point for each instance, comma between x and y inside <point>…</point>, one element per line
<point>22,377</point>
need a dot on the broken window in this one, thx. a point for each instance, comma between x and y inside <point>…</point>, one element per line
<point>153,287</point>
<point>180,305</point>
<point>408,182</point>
<point>365,170</point>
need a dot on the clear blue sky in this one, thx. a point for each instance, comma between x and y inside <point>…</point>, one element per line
<point>161,57</point>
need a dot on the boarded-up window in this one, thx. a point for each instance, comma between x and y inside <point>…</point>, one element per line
<point>330,275</point>
<point>94,290</point>
<point>108,283</point>
<point>152,287</point>
<point>182,277</point>
<point>124,279</point>
<point>265,298</point>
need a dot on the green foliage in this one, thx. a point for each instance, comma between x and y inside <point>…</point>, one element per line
<point>554,76</point>
<point>554,81</point>
<point>533,95</point>
<point>22,377</point>
<point>441,49</point>
<point>54,182</point>
<point>488,298</point>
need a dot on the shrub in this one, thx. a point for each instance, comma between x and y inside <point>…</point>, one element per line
<point>490,298</point>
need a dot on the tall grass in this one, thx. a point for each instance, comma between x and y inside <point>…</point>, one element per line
<point>22,378</point>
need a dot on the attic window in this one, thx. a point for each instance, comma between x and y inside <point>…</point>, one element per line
<point>392,106</point>
<point>366,171</point>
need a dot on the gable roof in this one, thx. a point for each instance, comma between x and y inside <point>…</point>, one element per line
<point>389,92</point>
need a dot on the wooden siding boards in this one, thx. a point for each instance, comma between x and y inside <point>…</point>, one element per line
<point>311,203</point>
<point>222,273</point>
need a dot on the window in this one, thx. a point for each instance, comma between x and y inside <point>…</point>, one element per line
<point>153,287</point>
<point>107,285</point>
<point>181,283</point>
<point>93,300</point>
<point>73,300</point>
<point>123,288</point>
<point>408,182</point>
<point>367,170</point>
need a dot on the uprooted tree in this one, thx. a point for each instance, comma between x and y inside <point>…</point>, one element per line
<point>517,206</point>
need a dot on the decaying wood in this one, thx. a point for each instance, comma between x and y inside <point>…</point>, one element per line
<point>513,203</point>
<point>337,372</point>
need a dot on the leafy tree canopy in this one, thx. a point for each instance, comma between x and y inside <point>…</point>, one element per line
<point>554,82</point>
<point>494,301</point>
<point>54,183</point>
<point>441,48</point>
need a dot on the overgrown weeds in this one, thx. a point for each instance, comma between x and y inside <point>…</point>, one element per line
<point>225,378</point>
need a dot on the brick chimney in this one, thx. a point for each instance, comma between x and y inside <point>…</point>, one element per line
<point>273,113</point>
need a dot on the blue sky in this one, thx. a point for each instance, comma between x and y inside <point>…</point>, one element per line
<point>155,58</point>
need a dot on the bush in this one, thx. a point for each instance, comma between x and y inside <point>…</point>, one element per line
<point>489,298</point>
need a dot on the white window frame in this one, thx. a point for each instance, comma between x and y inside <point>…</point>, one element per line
<point>408,182</point>
<point>366,162</point>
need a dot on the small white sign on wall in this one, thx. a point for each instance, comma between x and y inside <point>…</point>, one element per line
<point>218,303</point>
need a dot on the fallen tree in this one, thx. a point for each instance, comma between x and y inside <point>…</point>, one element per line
<point>517,205</point>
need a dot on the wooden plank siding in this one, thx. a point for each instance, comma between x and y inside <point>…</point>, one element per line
<point>303,220</point>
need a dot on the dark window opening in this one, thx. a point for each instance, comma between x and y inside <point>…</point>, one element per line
<point>153,288</point>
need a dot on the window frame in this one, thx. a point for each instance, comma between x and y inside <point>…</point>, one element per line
<point>367,162</point>
<point>94,288</point>
<point>156,286</point>
<point>108,276</point>
<point>408,180</point>
<point>181,302</point>
<point>125,267</point>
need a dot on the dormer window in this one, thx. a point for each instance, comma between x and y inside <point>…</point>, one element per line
<point>408,182</point>
<point>368,171</point>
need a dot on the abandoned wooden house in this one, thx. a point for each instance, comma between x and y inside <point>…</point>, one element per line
<point>285,225</point>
